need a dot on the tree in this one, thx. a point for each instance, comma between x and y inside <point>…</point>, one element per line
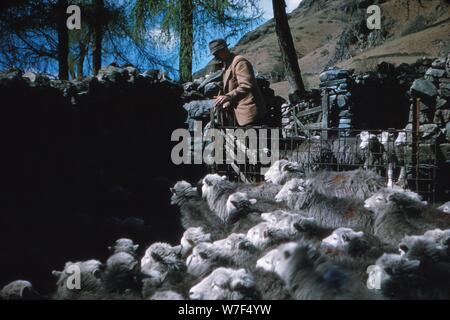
<point>288,53</point>
<point>186,39</point>
<point>192,20</point>
<point>63,39</point>
<point>99,11</point>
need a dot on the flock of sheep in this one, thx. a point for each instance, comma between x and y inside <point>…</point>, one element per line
<point>314,235</point>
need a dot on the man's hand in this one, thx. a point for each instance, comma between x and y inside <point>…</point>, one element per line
<point>220,100</point>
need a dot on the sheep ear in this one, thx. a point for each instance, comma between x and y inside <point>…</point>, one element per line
<point>359,234</point>
<point>253,201</point>
<point>57,273</point>
<point>224,177</point>
<point>110,248</point>
<point>135,247</point>
<point>172,190</point>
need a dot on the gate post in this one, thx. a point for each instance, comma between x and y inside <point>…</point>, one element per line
<point>325,110</point>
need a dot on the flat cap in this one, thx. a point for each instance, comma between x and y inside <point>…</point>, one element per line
<point>217,45</point>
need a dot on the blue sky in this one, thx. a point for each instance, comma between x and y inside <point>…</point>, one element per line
<point>266,6</point>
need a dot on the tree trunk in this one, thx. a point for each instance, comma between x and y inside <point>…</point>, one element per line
<point>186,40</point>
<point>63,40</point>
<point>98,36</point>
<point>288,53</point>
<point>80,62</point>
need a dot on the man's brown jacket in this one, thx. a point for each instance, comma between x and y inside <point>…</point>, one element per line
<point>239,83</point>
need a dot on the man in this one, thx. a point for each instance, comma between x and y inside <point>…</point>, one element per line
<point>241,93</point>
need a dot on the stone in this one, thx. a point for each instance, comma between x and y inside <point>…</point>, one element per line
<point>423,89</point>
<point>423,118</point>
<point>429,131</point>
<point>447,66</point>
<point>199,109</point>
<point>113,74</point>
<point>435,73</point>
<point>345,121</point>
<point>152,74</point>
<point>444,90</point>
<point>341,101</point>
<point>211,90</point>
<point>441,103</point>
<point>334,74</point>
<point>439,63</point>
<point>345,114</point>
<point>447,131</point>
<point>444,149</point>
<point>422,106</point>
<point>37,79</point>
<point>427,62</point>
<point>345,126</point>
<point>214,77</point>
<point>441,116</point>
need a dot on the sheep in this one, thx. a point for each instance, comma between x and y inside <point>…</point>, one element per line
<point>238,249</point>
<point>354,251</point>
<point>356,244</point>
<point>357,184</point>
<point>295,225</point>
<point>162,257</point>
<point>445,207</point>
<point>282,171</point>
<point>264,235</point>
<point>90,285</point>
<point>163,269</point>
<point>122,273</point>
<point>167,295</point>
<point>234,251</point>
<point>204,258</point>
<point>194,211</point>
<point>192,237</point>
<point>226,284</point>
<point>216,190</point>
<point>399,212</point>
<point>423,272</point>
<point>240,212</point>
<point>310,155</point>
<point>310,275</point>
<point>394,153</point>
<point>19,290</point>
<point>330,212</point>
<point>365,149</point>
<point>283,220</point>
<point>124,245</point>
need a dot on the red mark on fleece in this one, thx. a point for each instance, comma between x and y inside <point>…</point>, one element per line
<point>338,179</point>
<point>350,213</point>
